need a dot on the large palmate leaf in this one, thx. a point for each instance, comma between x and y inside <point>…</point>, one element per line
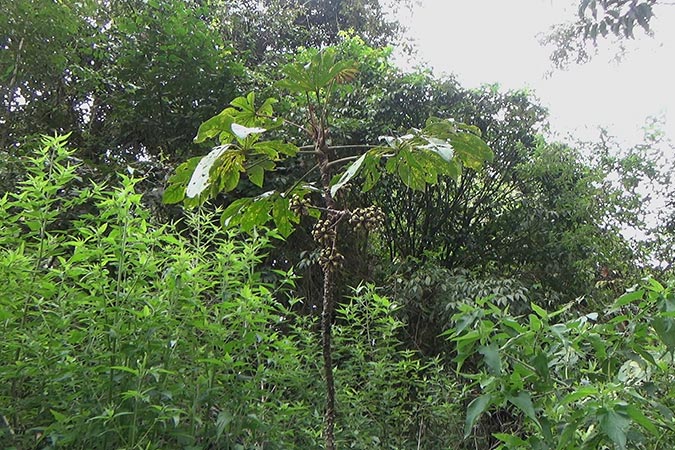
<point>319,73</point>
<point>239,121</point>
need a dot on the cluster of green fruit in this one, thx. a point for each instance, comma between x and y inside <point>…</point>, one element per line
<point>330,258</point>
<point>369,219</point>
<point>299,205</point>
<point>324,232</point>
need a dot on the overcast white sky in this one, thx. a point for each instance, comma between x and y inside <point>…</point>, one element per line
<point>488,41</point>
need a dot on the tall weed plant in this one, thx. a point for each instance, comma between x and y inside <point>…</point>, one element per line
<point>122,333</point>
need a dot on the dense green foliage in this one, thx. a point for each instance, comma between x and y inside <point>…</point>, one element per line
<point>134,335</point>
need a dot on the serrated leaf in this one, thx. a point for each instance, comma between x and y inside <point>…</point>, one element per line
<point>200,177</point>
<point>615,426</point>
<point>477,407</point>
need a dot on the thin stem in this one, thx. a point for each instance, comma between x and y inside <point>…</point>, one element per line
<point>286,121</point>
<point>335,147</point>
<point>342,160</point>
<point>301,179</point>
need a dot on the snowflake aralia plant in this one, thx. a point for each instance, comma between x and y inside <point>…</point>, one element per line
<point>420,158</point>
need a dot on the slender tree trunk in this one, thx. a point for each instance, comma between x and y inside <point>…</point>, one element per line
<point>326,327</point>
<point>323,158</point>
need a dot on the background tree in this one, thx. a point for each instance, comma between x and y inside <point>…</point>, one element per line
<point>599,19</point>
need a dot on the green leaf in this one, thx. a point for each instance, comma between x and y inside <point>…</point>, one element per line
<point>665,329</point>
<point>477,407</point>
<point>216,125</point>
<point>540,364</point>
<point>491,358</point>
<point>272,149</point>
<point>256,214</point>
<point>580,393</point>
<point>256,174</point>
<point>59,417</point>
<point>471,150</point>
<point>638,417</point>
<point>539,311</point>
<point>174,193</point>
<point>371,171</point>
<point>348,174</point>
<point>233,211</point>
<point>523,402</point>
<point>284,217</point>
<point>614,425</point>
<point>627,298</point>
<point>511,440</point>
<point>246,104</point>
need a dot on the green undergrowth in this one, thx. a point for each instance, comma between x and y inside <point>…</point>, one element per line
<point>121,333</point>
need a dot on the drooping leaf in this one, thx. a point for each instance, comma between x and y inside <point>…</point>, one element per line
<point>477,407</point>
<point>638,416</point>
<point>227,171</point>
<point>471,150</point>
<point>441,147</point>
<point>582,392</point>
<point>511,440</point>
<point>627,298</point>
<point>174,193</point>
<point>348,174</point>
<point>523,401</point>
<point>273,149</point>
<point>234,210</point>
<point>256,214</point>
<point>284,217</point>
<point>665,329</point>
<point>200,177</point>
